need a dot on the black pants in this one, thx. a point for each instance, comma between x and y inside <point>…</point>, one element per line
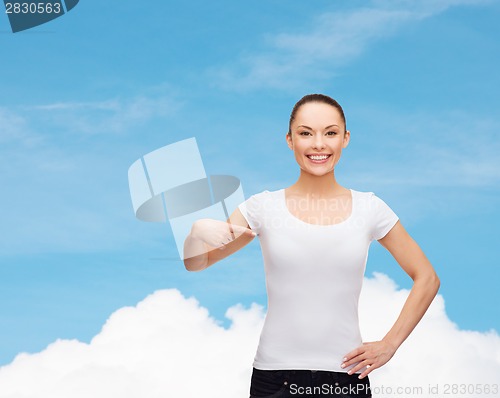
<point>307,383</point>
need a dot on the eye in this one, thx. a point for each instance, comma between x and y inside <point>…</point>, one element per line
<point>304,132</point>
<point>332,133</point>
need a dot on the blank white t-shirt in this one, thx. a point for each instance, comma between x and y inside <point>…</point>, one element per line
<point>313,275</point>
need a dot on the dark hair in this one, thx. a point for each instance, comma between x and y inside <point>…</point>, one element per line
<point>325,99</point>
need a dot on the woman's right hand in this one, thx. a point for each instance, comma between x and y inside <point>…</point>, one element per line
<point>218,233</point>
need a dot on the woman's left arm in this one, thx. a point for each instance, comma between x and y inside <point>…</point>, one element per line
<point>425,286</point>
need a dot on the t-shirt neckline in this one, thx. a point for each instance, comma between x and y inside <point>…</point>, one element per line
<point>343,222</point>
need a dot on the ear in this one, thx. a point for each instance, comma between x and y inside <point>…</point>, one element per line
<point>347,137</point>
<point>289,141</point>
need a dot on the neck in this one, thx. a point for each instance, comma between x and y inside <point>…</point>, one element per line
<point>316,186</point>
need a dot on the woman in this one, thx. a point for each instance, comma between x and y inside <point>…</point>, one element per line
<point>315,237</point>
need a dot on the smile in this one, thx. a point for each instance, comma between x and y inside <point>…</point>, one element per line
<point>318,159</point>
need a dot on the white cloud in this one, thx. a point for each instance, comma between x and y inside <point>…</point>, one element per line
<point>334,39</point>
<point>115,115</point>
<point>165,346</point>
<point>112,105</point>
<point>14,129</point>
<point>436,353</point>
<point>169,346</point>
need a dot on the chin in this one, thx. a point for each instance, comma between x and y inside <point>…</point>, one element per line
<point>322,174</point>
<point>317,173</point>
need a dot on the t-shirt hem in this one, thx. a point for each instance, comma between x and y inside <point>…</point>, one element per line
<point>298,366</point>
<point>244,213</point>
<point>388,228</point>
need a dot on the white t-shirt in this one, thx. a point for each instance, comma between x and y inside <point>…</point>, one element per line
<point>314,275</point>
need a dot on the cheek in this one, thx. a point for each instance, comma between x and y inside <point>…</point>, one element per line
<point>299,149</point>
<point>339,146</point>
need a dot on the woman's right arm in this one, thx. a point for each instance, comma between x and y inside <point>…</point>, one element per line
<point>204,245</point>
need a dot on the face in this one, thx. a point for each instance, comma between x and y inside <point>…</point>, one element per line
<point>318,128</point>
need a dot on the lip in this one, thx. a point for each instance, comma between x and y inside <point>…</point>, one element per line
<point>319,161</point>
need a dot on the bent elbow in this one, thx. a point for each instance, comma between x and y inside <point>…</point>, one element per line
<point>193,269</point>
<point>429,281</point>
<point>192,266</point>
<point>438,283</point>
<point>188,267</point>
<point>434,282</point>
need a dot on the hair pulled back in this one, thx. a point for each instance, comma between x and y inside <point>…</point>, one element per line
<point>325,99</point>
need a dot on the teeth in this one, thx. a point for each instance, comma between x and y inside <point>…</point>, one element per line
<point>318,157</point>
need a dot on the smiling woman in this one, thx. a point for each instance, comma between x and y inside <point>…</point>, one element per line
<point>315,236</point>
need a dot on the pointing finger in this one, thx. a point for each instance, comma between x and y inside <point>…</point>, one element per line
<point>239,230</point>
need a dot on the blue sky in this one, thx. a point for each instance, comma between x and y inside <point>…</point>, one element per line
<point>87,94</point>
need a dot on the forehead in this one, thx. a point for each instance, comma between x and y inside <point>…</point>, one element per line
<point>318,114</point>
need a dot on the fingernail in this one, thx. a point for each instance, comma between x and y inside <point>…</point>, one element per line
<point>359,377</point>
<point>345,359</point>
<point>342,366</point>
<point>350,372</point>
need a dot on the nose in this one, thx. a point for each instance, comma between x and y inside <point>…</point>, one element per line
<point>318,142</point>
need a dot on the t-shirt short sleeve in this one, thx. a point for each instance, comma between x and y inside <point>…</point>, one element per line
<point>252,209</point>
<point>383,218</point>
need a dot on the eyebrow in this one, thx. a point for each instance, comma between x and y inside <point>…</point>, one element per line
<point>327,127</point>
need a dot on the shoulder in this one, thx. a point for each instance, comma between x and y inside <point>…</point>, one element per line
<point>257,207</point>
<point>266,194</point>
<point>369,201</point>
<point>264,201</point>
<point>263,193</point>
<point>256,200</point>
<point>364,196</point>
<point>362,193</point>
<point>368,195</point>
